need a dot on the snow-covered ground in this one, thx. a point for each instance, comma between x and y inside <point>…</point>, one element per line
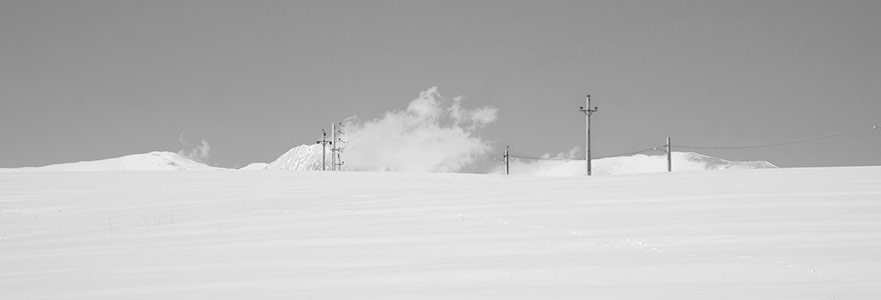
<point>738,234</point>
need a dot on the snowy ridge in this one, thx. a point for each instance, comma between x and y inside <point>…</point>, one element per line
<point>300,158</point>
<point>640,163</point>
<point>153,161</point>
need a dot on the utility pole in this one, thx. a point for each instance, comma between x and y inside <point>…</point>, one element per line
<point>507,164</point>
<point>324,142</point>
<point>334,149</point>
<point>333,146</point>
<point>337,142</point>
<point>587,112</point>
<point>669,156</point>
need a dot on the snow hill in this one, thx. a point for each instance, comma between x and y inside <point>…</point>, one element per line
<point>682,161</point>
<point>153,161</point>
<point>805,233</point>
<point>300,158</point>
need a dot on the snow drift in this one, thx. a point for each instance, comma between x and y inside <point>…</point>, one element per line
<point>682,161</point>
<point>153,161</point>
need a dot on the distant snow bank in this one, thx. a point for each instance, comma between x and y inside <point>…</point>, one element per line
<point>153,161</point>
<point>682,161</point>
<point>308,158</point>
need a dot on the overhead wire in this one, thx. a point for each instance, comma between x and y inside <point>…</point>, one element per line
<point>661,148</point>
<point>808,140</point>
<point>540,158</point>
<point>646,150</point>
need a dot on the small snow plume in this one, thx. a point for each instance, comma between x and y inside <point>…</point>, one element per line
<point>565,155</point>
<point>433,134</point>
<point>199,153</point>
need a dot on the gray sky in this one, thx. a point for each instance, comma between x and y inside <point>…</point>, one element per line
<point>85,80</point>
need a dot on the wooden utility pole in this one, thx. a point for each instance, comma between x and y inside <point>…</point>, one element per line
<point>669,156</point>
<point>587,112</point>
<point>324,142</point>
<point>507,162</point>
<point>338,164</point>
<point>333,147</point>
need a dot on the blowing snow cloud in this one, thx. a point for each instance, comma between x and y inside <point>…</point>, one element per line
<point>433,134</point>
<point>200,153</point>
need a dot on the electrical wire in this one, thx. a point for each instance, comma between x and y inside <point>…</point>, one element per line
<point>540,158</point>
<point>661,148</point>
<point>647,150</point>
<point>814,139</point>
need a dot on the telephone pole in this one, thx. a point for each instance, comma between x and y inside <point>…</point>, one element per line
<point>324,142</point>
<point>669,156</point>
<point>333,146</point>
<point>507,162</point>
<point>587,112</point>
<point>338,160</point>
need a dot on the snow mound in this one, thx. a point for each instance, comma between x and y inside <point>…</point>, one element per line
<point>300,158</point>
<point>153,161</point>
<point>255,167</point>
<point>682,161</point>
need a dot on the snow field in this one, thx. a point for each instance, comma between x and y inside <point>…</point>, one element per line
<point>745,234</point>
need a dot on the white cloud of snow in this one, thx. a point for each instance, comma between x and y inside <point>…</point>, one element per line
<point>200,153</point>
<point>434,134</point>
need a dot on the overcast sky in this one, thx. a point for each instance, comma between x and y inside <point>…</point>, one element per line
<point>86,80</point>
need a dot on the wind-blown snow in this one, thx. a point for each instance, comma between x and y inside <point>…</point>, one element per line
<point>433,134</point>
<point>153,161</point>
<point>740,234</point>
<point>682,161</point>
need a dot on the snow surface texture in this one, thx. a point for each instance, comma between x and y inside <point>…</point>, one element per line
<point>640,163</point>
<point>740,234</point>
<point>153,161</point>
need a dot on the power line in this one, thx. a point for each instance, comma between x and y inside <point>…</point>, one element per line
<point>540,158</point>
<point>646,150</point>
<point>814,139</point>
